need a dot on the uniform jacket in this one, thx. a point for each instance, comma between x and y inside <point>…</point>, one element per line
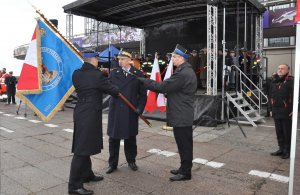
<point>180,89</point>
<point>281,96</point>
<point>90,84</point>
<point>147,66</point>
<point>195,62</point>
<point>10,82</point>
<point>203,63</point>
<point>122,120</point>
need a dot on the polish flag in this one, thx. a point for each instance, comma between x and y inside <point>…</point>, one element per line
<point>30,77</point>
<point>151,104</point>
<point>161,99</point>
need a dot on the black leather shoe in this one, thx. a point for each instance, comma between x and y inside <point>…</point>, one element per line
<point>94,179</point>
<point>277,153</point>
<point>81,191</point>
<point>180,177</point>
<point>174,171</point>
<point>110,169</point>
<point>133,166</point>
<point>285,156</point>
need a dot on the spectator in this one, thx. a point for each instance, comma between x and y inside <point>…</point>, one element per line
<point>11,82</point>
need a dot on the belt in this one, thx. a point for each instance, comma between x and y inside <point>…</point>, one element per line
<point>89,99</point>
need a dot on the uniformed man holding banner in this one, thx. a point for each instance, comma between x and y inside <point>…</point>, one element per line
<point>90,83</point>
<point>180,89</point>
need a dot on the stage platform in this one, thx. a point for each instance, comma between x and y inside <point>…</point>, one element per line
<point>207,110</point>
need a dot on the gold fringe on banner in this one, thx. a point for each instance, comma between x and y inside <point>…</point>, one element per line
<point>54,111</point>
<point>71,89</point>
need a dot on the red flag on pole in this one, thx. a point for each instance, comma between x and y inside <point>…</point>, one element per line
<point>161,99</point>
<point>151,104</point>
<point>30,77</point>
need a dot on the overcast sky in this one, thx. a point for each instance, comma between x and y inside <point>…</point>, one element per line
<point>17,20</point>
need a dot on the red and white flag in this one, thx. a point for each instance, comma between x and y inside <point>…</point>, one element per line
<point>161,99</point>
<point>30,77</point>
<point>151,104</point>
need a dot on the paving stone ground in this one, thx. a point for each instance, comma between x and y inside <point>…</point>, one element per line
<point>35,159</point>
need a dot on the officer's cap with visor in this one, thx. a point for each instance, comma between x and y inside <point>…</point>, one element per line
<point>179,50</point>
<point>124,54</point>
<point>90,54</point>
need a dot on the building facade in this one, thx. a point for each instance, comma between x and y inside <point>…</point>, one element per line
<point>279,34</point>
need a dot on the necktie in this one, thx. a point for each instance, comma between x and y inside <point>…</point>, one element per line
<point>125,72</point>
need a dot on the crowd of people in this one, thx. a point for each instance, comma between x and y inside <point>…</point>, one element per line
<point>247,61</point>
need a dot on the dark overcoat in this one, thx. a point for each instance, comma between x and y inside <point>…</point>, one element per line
<point>122,120</point>
<point>180,89</point>
<point>10,82</point>
<point>90,83</point>
<point>281,97</point>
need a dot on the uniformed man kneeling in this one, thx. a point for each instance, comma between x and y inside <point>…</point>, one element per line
<point>90,83</point>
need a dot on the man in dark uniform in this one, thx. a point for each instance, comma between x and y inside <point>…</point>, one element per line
<point>227,68</point>
<point>194,60</point>
<point>147,65</point>
<point>203,64</point>
<point>90,83</point>
<point>10,83</point>
<point>281,100</point>
<point>122,120</point>
<point>180,89</point>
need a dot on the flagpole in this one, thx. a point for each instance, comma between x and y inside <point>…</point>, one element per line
<point>134,109</point>
<point>295,111</point>
<point>56,30</point>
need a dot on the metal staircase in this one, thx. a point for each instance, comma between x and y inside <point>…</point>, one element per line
<point>248,100</point>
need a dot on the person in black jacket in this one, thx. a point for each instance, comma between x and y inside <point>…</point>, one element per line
<point>11,82</point>
<point>122,120</point>
<point>90,83</point>
<point>180,89</point>
<point>281,109</point>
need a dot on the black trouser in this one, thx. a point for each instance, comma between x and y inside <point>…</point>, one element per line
<point>283,132</point>
<point>81,170</point>
<point>130,149</point>
<point>11,93</point>
<point>184,141</point>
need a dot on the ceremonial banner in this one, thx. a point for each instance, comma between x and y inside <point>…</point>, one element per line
<point>59,61</point>
<point>30,77</point>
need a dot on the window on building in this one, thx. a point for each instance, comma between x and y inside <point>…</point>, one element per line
<point>279,42</point>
